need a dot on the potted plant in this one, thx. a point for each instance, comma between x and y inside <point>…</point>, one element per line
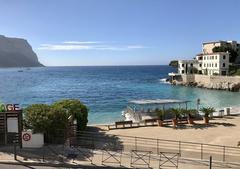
<point>207,111</point>
<point>177,114</point>
<point>190,115</point>
<point>160,114</point>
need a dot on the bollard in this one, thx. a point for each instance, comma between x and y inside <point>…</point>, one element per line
<point>15,150</point>
<point>43,153</point>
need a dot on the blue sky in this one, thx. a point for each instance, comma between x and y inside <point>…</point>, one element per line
<point>118,32</point>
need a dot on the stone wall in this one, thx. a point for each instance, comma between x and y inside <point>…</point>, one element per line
<point>231,83</point>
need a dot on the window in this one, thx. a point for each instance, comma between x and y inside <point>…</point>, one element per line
<point>212,64</point>
<point>224,57</point>
<point>191,65</point>
<point>182,71</point>
<point>182,65</point>
<point>200,65</point>
<point>204,65</point>
<point>215,64</point>
<point>223,65</point>
<point>215,57</point>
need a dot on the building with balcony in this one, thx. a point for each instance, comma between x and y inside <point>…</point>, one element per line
<point>209,62</point>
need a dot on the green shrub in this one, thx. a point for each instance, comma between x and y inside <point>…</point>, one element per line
<point>53,120</point>
<point>75,109</point>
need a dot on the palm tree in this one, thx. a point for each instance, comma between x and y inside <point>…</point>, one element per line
<point>159,113</point>
<point>190,114</point>
<point>207,111</point>
<point>177,114</point>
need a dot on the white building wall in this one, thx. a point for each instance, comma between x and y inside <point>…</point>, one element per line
<point>214,63</point>
<point>187,66</point>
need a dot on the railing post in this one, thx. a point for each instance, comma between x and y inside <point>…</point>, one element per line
<point>201,151</point>
<point>210,162</point>
<point>135,143</point>
<point>179,148</point>
<point>157,146</point>
<point>224,148</point>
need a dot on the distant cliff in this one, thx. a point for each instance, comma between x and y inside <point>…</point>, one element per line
<point>16,52</point>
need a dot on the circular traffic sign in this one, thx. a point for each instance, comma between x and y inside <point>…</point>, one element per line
<point>26,137</point>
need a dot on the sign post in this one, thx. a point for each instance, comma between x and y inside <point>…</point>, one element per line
<point>10,123</point>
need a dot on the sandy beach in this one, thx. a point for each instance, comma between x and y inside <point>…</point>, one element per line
<point>220,131</point>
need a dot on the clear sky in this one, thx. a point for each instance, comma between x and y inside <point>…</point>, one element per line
<point>118,32</point>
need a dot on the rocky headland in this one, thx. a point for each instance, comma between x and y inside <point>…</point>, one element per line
<point>229,83</point>
<point>17,52</point>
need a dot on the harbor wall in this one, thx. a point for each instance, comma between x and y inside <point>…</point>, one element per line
<point>231,83</point>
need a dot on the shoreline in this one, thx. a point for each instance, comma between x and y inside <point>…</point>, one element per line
<point>221,131</point>
<point>236,108</point>
<point>226,83</point>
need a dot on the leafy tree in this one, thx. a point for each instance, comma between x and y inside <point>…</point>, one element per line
<point>234,70</point>
<point>76,109</point>
<point>174,63</point>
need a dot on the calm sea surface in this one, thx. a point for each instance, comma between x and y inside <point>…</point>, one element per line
<point>105,90</point>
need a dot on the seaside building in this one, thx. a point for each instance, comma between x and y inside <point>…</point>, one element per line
<point>187,66</point>
<point>207,47</point>
<point>209,62</point>
<point>215,63</point>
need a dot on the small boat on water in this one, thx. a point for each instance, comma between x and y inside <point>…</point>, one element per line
<point>139,110</point>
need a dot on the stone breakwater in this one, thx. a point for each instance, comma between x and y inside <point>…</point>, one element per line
<point>229,83</point>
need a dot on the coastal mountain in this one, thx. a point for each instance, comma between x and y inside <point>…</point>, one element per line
<point>16,52</point>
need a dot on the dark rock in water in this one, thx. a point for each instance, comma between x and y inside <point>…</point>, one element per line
<point>16,52</point>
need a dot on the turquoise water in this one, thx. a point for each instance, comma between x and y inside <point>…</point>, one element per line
<point>105,90</point>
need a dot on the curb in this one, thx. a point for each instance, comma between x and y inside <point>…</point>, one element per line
<point>56,165</point>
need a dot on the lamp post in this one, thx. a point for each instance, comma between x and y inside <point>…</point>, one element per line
<point>198,103</point>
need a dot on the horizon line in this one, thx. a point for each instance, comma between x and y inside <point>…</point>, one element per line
<point>103,65</point>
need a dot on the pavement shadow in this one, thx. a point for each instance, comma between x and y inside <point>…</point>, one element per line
<point>205,126</point>
<point>94,139</point>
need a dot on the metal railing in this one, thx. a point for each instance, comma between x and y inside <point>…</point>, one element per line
<point>190,150</point>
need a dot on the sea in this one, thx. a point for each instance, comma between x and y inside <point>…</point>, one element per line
<point>106,90</point>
